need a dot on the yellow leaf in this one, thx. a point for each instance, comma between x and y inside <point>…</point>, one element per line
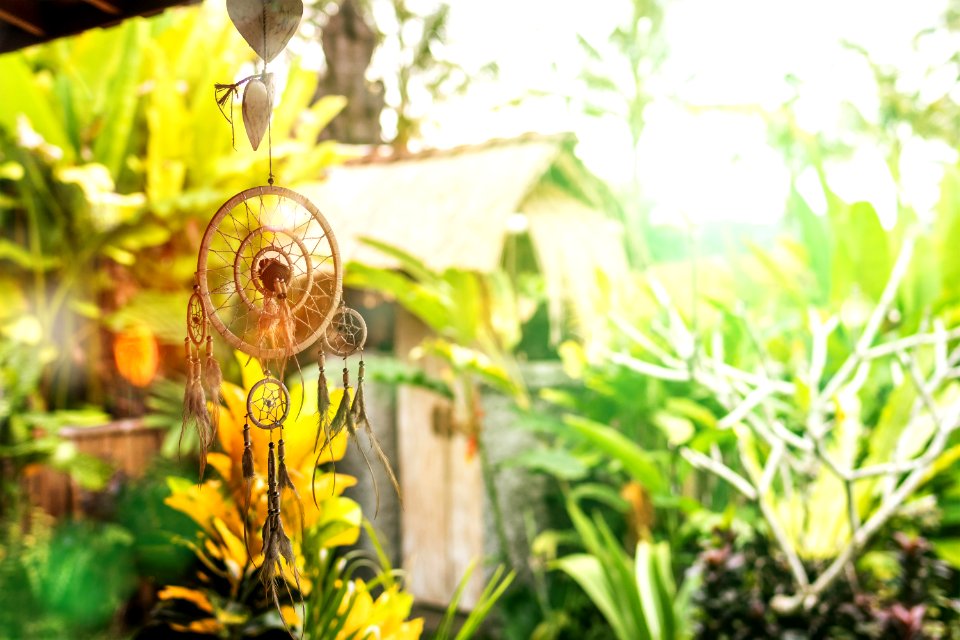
<point>345,512</point>
<point>198,598</point>
<point>359,614</point>
<point>384,617</point>
<point>208,626</point>
<point>290,615</point>
<point>222,464</point>
<point>234,551</point>
<point>203,504</point>
<point>409,630</point>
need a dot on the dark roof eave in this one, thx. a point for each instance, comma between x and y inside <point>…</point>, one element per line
<point>24,24</point>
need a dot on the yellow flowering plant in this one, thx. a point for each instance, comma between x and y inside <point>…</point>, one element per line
<point>341,607</point>
<point>227,597</point>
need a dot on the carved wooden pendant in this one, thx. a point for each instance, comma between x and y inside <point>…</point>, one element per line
<point>282,17</point>
<point>256,111</point>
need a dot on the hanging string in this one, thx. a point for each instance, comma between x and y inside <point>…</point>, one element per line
<point>270,143</point>
<point>263,21</point>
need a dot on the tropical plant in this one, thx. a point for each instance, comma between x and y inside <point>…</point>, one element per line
<point>799,408</point>
<point>108,152</point>
<point>475,324</point>
<point>69,580</point>
<point>228,595</point>
<point>109,156</point>
<point>637,596</point>
<point>498,583</point>
<point>473,316</point>
<point>28,438</point>
<point>422,67</point>
<point>898,593</point>
<point>341,607</point>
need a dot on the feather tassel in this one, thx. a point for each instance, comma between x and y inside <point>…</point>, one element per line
<point>323,405</point>
<point>248,475</point>
<point>343,413</point>
<point>337,424</point>
<point>187,393</point>
<point>195,407</point>
<point>270,551</point>
<point>359,411</point>
<point>286,482</point>
<point>323,424</point>
<point>212,382</point>
<point>276,543</point>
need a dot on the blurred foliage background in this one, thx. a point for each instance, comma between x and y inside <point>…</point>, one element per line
<point>761,442</point>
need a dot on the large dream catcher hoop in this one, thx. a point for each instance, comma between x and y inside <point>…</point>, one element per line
<point>269,281</point>
<point>269,272</point>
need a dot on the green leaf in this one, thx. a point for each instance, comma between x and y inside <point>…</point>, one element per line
<point>587,572</point>
<point>602,493</point>
<point>893,418</point>
<point>417,269</point>
<point>816,241</point>
<point>22,97</point>
<point>647,588</point>
<point>394,371</point>
<point>111,145</point>
<point>948,549</point>
<point>25,259</point>
<point>494,588</point>
<point>556,462</point>
<point>639,464</point>
<point>781,275</point>
<point>678,430</point>
<point>862,251</point>
<point>693,410</point>
<point>54,421</point>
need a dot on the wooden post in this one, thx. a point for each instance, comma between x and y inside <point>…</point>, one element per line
<point>443,518</point>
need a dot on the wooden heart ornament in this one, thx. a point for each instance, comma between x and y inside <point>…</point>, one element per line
<point>282,18</point>
<point>256,111</point>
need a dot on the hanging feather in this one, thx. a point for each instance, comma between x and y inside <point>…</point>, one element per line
<point>359,409</point>
<point>276,543</point>
<point>285,481</point>
<point>352,431</point>
<point>248,475</point>
<point>195,407</point>
<point>323,423</point>
<point>287,324</point>
<point>187,392</point>
<point>359,413</point>
<point>323,404</point>
<point>343,413</point>
<point>270,549</point>
<point>212,382</point>
<point>247,460</point>
<point>202,417</point>
<point>337,425</point>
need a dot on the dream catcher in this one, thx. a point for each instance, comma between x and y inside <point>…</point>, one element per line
<point>345,336</point>
<point>269,282</point>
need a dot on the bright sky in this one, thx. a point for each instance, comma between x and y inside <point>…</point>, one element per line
<point>715,164</point>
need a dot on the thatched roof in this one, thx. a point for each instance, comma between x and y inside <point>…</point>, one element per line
<point>450,208</point>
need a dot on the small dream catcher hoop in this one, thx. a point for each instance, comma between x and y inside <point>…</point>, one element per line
<point>269,281</point>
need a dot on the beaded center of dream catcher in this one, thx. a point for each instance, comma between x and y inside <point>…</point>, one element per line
<point>269,281</point>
